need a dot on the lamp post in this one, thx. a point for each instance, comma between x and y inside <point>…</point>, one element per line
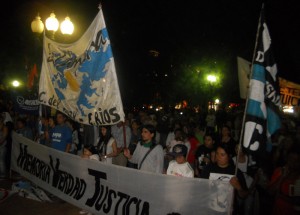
<point>52,25</point>
<point>211,79</point>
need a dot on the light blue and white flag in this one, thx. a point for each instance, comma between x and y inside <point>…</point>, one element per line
<point>262,112</point>
<point>80,80</point>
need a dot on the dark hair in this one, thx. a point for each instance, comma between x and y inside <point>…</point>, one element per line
<point>151,129</point>
<point>225,147</point>
<point>227,126</point>
<point>103,141</point>
<point>108,133</point>
<point>91,148</point>
<point>22,120</point>
<point>210,134</point>
<point>138,122</point>
<point>61,113</point>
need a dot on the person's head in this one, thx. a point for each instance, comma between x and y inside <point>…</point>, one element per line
<point>120,124</point>
<point>135,124</point>
<point>51,121</point>
<point>142,116</point>
<point>89,150</point>
<point>60,118</point>
<point>148,133</point>
<point>209,140</point>
<point>176,124</point>
<point>222,155</point>
<point>179,151</point>
<point>44,120</point>
<point>73,125</point>
<point>226,131</point>
<point>178,134</point>
<point>21,123</point>
<point>105,130</point>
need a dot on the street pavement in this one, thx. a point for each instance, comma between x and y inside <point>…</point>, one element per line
<point>18,205</point>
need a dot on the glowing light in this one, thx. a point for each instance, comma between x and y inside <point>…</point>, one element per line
<point>52,23</point>
<point>288,109</point>
<point>16,83</point>
<point>67,26</point>
<point>211,78</point>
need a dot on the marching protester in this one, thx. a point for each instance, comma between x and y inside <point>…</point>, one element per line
<point>148,155</point>
<point>49,130</point>
<point>107,146</point>
<point>135,138</point>
<point>284,184</point>
<point>224,165</point>
<point>23,129</point>
<point>211,120</point>
<point>226,138</point>
<point>122,134</point>
<point>204,153</point>
<point>180,166</point>
<point>90,152</point>
<point>61,137</point>
<point>76,142</point>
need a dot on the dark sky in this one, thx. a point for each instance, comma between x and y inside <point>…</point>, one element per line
<point>182,31</point>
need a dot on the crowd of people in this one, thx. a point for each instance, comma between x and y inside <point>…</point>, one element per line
<point>183,145</point>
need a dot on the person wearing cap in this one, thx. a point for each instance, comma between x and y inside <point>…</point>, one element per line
<point>148,155</point>
<point>180,166</point>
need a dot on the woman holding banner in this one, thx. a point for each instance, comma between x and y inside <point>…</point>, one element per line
<point>107,146</point>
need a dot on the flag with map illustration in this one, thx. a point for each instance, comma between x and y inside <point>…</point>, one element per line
<point>79,79</point>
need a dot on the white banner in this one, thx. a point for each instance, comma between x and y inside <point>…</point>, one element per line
<point>110,189</point>
<point>80,79</point>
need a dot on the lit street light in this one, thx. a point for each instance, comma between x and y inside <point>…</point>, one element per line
<point>15,83</point>
<point>52,25</point>
<point>211,79</point>
<point>67,26</point>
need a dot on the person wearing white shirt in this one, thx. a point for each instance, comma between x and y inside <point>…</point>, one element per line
<point>122,134</point>
<point>180,167</point>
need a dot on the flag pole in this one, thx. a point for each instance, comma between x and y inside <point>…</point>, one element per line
<point>247,95</point>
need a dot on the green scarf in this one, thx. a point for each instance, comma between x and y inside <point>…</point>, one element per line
<point>148,145</point>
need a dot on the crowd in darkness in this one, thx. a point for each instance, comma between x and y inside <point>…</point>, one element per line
<point>180,143</point>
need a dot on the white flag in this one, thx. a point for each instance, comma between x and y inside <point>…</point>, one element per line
<point>80,80</point>
<point>244,68</point>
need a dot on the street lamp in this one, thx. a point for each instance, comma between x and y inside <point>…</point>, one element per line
<point>15,83</point>
<point>52,24</point>
<point>37,26</point>
<point>211,79</point>
<point>67,26</point>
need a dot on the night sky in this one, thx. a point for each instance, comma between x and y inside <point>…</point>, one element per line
<point>183,32</point>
